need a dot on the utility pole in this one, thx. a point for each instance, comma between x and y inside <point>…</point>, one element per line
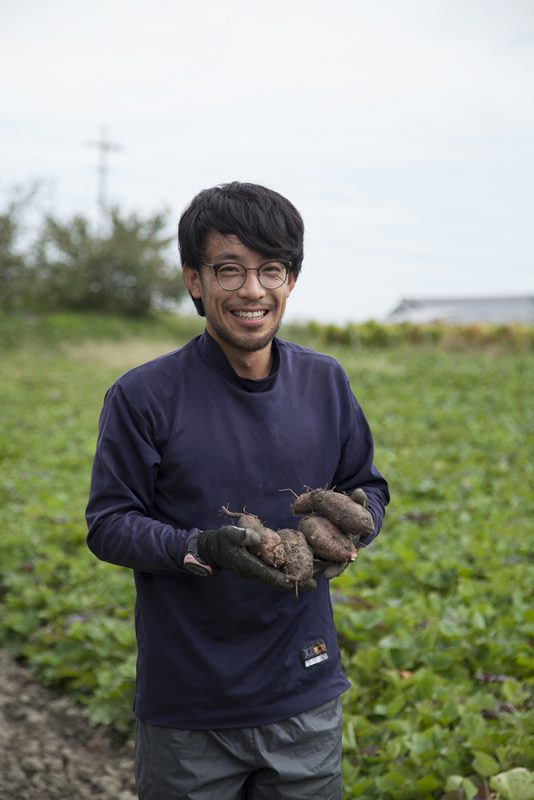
<point>104,147</point>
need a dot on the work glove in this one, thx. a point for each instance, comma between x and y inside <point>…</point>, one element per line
<point>227,548</point>
<point>359,496</point>
<point>329,569</point>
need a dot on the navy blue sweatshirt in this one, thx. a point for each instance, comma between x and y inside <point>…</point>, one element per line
<point>180,437</point>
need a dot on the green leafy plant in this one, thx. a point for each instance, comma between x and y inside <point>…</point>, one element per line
<point>435,619</point>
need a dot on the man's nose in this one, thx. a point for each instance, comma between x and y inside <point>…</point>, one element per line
<point>252,286</point>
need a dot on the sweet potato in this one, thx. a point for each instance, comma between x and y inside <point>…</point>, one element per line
<point>346,514</point>
<point>327,541</point>
<point>271,548</point>
<point>299,557</point>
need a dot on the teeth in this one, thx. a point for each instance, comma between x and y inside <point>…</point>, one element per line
<point>249,314</point>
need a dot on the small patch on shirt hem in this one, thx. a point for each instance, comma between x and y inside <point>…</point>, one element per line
<point>314,653</point>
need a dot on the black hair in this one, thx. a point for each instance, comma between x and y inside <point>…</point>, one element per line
<point>262,220</point>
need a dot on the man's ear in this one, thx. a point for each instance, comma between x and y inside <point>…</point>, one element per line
<point>192,281</point>
<point>291,281</point>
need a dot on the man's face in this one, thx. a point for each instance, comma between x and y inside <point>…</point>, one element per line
<point>244,319</point>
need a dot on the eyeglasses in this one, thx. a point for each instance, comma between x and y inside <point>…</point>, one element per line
<point>231,276</point>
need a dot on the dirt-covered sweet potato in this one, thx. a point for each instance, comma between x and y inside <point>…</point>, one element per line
<point>346,514</point>
<point>327,541</point>
<point>299,557</point>
<point>270,549</point>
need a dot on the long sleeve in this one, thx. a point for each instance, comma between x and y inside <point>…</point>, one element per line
<point>356,466</point>
<point>121,529</point>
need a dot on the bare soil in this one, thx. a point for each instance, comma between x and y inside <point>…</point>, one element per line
<point>50,751</point>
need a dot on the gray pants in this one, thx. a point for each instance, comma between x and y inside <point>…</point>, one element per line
<point>296,759</point>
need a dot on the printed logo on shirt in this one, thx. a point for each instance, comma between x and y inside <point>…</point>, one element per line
<point>314,653</point>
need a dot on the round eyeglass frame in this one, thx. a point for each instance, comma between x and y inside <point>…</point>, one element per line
<point>257,270</point>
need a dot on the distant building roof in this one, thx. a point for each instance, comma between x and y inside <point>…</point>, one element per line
<point>465,310</point>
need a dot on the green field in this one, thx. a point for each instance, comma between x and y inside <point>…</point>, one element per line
<point>436,619</point>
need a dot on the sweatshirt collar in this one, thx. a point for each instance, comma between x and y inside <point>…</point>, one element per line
<point>213,355</point>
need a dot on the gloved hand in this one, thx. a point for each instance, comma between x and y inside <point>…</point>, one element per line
<point>329,569</point>
<point>359,496</point>
<point>226,548</point>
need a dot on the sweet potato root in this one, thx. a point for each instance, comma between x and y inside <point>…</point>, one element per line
<point>346,514</point>
<point>327,541</point>
<point>299,557</point>
<point>271,548</point>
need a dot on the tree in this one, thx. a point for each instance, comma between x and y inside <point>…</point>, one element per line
<point>15,278</point>
<point>128,271</point>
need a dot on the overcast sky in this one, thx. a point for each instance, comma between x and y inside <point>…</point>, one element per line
<point>403,130</point>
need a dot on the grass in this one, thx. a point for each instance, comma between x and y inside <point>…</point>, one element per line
<point>435,620</point>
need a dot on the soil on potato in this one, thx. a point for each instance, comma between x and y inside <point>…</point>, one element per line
<point>50,751</point>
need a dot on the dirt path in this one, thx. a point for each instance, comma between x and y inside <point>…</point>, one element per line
<point>48,749</point>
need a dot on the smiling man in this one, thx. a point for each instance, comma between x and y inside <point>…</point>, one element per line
<point>238,675</point>
<point>243,305</point>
